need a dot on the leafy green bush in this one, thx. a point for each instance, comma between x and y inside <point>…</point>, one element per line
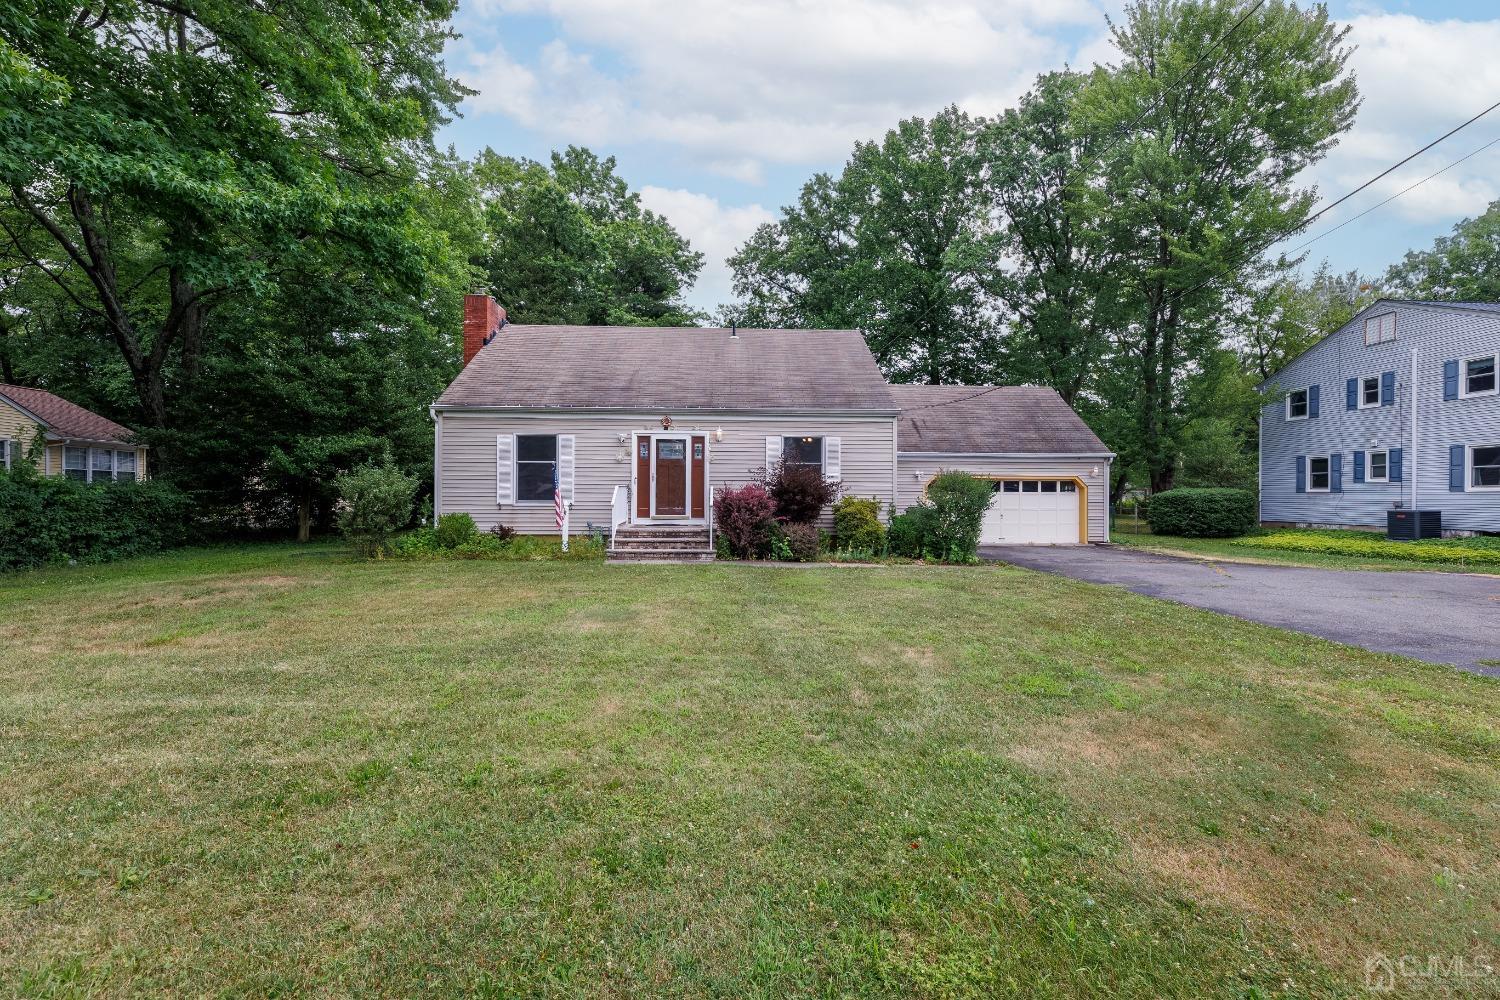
<point>958,502</point>
<point>857,527</point>
<point>1201,513</point>
<point>423,544</point>
<point>375,502</point>
<point>1364,544</point>
<point>908,532</point>
<point>454,530</point>
<point>55,520</point>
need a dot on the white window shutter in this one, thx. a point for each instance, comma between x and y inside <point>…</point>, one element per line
<point>773,452</point>
<point>505,453</point>
<point>833,458</point>
<point>565,444</point>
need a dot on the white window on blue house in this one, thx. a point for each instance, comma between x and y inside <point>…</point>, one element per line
<point>1484,467</point>
<point>1478,377</point>
<point>1369,391</point>
<point>1296,404</point>
<point>1379,467</point>
<point>1318,475</point>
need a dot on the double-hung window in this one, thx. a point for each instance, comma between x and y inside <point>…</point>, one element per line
<point>76,463</point>
<point>536,463</point>
<point>1369,391</point>
<point>101,465</point>
<point>1318,476</point>
<point>1296,404</point>
<point>802,452</point>
<point>6,447</point>
<point>125,465</point>
<point>1484,467</point>
<point>1379,467</point>
<point>1478,376</point>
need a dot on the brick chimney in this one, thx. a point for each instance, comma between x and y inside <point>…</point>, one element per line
<point>482,318</point>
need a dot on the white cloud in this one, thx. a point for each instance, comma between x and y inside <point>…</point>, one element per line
<point>739,84</point>
<point>1417,79</point>
<point>715,230</point>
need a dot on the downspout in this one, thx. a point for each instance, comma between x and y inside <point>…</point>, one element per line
<point>437,463</point>
<point>1413,400</point>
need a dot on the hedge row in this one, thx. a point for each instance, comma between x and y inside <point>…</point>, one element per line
<point>1201,513</point>
<point>48,521</point>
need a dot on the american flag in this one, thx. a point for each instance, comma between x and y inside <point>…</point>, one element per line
<point>557,499</point>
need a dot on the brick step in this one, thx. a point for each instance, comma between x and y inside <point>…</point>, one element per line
<point>683,532</point>
<point>625,544</point>
<point>695,555</point>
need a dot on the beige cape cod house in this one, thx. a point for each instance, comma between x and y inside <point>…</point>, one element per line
<point>640,425</point>
<point>78,443</point>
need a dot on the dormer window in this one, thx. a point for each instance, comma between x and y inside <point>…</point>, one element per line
<point>1379,329</point>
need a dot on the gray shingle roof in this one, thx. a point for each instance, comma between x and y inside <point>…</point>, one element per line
<point>1012,419</point>
<point>65,419</point>
<point>671,368</point>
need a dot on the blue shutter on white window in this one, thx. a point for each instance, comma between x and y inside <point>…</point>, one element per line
<point>1394,465</point>
<point>1312,401</point>
<point>1351,394</point>
<point>1388,389</point>
<point>1450,379</point>
<point>1359,466</point>
<point>1455,468</point>
<point>1301,475</point>
<point>1336,473</point>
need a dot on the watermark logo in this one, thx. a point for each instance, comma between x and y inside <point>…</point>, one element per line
<point>1388,974</point>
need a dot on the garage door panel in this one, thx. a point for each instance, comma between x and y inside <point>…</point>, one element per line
<point>1032,512</point>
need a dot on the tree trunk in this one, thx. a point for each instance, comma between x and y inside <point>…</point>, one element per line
<point>304,518</point>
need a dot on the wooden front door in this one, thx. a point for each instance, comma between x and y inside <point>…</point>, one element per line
<point>671,490</point>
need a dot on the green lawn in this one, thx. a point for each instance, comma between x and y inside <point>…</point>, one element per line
<point>1128,531</point>
<point>273,770</point>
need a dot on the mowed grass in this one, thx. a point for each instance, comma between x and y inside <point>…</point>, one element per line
<point>275,770</point>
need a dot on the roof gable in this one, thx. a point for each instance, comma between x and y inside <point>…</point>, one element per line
<point>985,420</point>
<point>671,368</point>
<point>62,418</point>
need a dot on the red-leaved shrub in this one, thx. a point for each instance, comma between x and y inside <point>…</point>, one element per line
<point>800,491</point>
<point>743,518</point>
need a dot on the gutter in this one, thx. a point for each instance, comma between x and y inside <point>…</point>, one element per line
<point>651,412</point>
<point>1105,455</point>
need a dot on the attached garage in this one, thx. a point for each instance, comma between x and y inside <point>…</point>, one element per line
<point>1050,473</point>
<point>1033,512</point>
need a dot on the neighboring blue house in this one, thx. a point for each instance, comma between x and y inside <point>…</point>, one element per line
<point>1400,407</point>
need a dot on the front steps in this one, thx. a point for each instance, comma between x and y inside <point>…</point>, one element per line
<point>662,543</point>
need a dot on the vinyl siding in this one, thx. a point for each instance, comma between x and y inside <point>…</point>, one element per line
<point>914,472</point>
<point>466,458</point>
<point>1439,335</point>
<point>16,427</point>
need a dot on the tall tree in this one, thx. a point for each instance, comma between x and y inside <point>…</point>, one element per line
<point>1211,125</point>
<point>896,246</point>
<point>1462,267</point>
<point>568,242</point>
<point>163,159</point>
<point>1058,285</point>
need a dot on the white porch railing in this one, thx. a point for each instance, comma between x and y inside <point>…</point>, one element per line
<point>710,513</point>
<point>619,511</point>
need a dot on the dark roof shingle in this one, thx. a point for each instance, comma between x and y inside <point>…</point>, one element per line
<point>671,368</point>
<point>979,420</point>
<point>65,419</point>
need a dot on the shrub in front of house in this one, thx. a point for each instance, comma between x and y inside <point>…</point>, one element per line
<point>800,492</point>
<point>857,527</point>
<point>1201,513</point>
<point>45,521</point>
<point>745,518</point>
<point>423,544</point>
<point>1462,552</point>
<point>375,501</point>
<point>802,542</point>
<point>455,530</point>
<point>957,501</point>
<point>907,531</point>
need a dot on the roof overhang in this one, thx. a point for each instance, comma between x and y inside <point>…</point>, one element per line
<point>1095,455</point>
<point>654,413</point>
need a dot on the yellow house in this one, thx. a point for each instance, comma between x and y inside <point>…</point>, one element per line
<point>80,444</point>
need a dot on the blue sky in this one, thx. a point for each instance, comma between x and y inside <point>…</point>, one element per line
<point>719,110</point>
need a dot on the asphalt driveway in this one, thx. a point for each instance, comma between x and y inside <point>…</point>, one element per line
<point>1447,618</point>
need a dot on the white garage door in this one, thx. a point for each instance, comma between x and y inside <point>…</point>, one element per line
<point>1032,512</point>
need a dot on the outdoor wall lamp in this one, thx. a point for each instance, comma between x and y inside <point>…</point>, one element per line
<point>718,434</point>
